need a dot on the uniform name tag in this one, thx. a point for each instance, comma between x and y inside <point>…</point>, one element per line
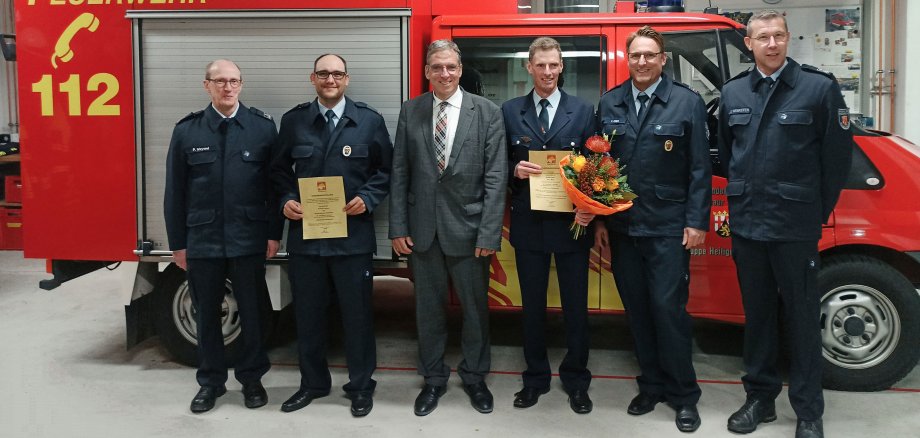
<point>201,149</point>
<point>739,111</point>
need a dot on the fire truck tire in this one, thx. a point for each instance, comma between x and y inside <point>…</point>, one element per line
<point>870,320</point>
<point>175,321</point>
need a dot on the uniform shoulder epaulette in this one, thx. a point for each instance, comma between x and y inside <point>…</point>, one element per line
<point>364,105</point>
<point>616,88</point>
<point>740,75</point>
<point>681,84</point>
<point>260,113</point>
<point>304,105</point>
<point>190,116</point>
<point>813,69</point>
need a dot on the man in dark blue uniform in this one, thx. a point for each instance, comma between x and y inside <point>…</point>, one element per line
<point>221,221</point>
<point>658,131</point>
<point>333,136</point>
<point>548,118</point>
<point>784,137</point>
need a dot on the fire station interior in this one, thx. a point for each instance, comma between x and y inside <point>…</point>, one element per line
<point>81,357</point>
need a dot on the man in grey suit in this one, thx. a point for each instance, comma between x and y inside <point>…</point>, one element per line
<point>447,199</point>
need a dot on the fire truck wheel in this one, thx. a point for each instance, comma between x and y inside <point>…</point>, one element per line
<point>870,320</point>
<point>176,319</point>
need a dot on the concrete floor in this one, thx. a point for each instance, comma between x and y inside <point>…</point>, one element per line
<point>64,372</point>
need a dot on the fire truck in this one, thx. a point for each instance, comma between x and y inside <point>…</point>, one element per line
<point>102,82</point>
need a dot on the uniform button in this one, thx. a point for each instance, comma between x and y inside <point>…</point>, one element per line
<point>572,144</point>
<point>544,146</point>
<point>782,116</point>
<point>246,154</point>
<point>658,127</point>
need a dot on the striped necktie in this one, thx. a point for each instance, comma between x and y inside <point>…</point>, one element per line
<point>440,136</point>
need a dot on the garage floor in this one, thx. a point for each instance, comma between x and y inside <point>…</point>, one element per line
<point>64,372</point>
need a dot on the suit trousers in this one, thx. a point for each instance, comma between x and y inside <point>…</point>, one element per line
<point>470,278</point>
<point>779,284</point>
<point>314,280</point>
<point>653,276</point>
<point>533,275</point>
<point>206,280</point>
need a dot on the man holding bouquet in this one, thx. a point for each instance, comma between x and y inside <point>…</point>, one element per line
<point>658,131</point>
<point>548,118</point>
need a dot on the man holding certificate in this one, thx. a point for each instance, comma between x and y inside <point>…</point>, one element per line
<point>334,156</point>
<point>542,127</point>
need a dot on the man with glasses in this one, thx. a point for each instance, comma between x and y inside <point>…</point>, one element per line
<point>658,132</point>
<point>446,208</point>
<point>784,138</point>
<point>333,136</point>
<point>221,222</point>
<point>548,118</point>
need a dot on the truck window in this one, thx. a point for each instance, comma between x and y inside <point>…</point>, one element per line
<point>704,60</point>
<point>495,68</point>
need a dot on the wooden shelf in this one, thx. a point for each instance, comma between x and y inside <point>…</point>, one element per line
<point>10,158</point>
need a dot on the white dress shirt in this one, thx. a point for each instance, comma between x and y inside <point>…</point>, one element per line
<point>453,117</point>
<point>551,108</point>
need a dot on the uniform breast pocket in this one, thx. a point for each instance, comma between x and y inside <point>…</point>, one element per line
<point>797,126</point>
<point>356,151</point>
<point>569,143</point>
<point>614,126</point>
<point>255,155</point>
<point>739,123</point>
<point>670,139</point>
<point>302,152</point>
<point>200,163</point>
<point>519,147</point>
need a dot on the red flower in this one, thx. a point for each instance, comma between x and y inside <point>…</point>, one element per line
<point>597,144</point>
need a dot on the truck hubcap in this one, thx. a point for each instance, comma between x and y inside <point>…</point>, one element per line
<point>860,326</point>
<point>185,315</point>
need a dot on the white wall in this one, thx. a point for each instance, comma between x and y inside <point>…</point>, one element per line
<point>907,92</point>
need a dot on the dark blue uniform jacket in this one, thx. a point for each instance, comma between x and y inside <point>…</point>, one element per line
<point>571,126</point>
<point>219,201</point>
<point>666,157</point>
<point>364,166</point>
<point>788,160</point>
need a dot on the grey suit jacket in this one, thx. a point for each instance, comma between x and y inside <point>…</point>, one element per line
<point>465,204</point>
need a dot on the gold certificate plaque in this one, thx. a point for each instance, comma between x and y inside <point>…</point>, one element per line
<point>546,190</point>
<point>323,203</point>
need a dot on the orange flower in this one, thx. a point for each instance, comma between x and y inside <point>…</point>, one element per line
<point>613,171</point>
<point>597,144</point>
<point>612,184</point>
<point>598,184</point>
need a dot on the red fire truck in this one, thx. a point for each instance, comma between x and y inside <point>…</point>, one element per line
<point>102,82</point>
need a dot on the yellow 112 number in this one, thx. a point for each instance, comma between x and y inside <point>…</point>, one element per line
<point>100,106</point>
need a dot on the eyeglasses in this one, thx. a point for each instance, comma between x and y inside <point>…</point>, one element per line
<point>649,56</point>
<point>780,38</point>
<point>234,83</point>
<point>337,75</point>
<point>449,68</point>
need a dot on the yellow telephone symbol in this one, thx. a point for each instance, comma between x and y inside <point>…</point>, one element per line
<point>62,49</point>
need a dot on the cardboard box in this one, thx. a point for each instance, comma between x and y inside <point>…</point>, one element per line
<point>11,225</point>
<point>13,189</point>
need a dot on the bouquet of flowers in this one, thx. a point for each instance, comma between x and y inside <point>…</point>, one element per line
<point>595,182</point>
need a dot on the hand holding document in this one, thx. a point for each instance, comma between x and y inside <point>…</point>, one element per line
<point>322,200</point>
<point>546,190</point>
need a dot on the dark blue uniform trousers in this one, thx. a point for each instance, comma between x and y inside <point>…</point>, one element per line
<point>779,281</point>
<point>312,280</point>
<point>533,275</point>
<point>653,277</point>
<point>206,279</point>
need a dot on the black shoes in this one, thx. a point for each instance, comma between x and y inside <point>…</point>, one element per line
<point>207,395</point>
<point>528,396</point>
<point>580,402</point>
<point>361,404</point>
<point>809,429</point>
<point>300,399</point>
<point>752,413</point>
<point>480,397</point>
<point>687,419</point>
<point>643,403</point>
<point>427,399</point>
<point>254,395</point>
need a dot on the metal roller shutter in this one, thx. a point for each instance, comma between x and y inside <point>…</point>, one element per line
<point>275,53</point>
